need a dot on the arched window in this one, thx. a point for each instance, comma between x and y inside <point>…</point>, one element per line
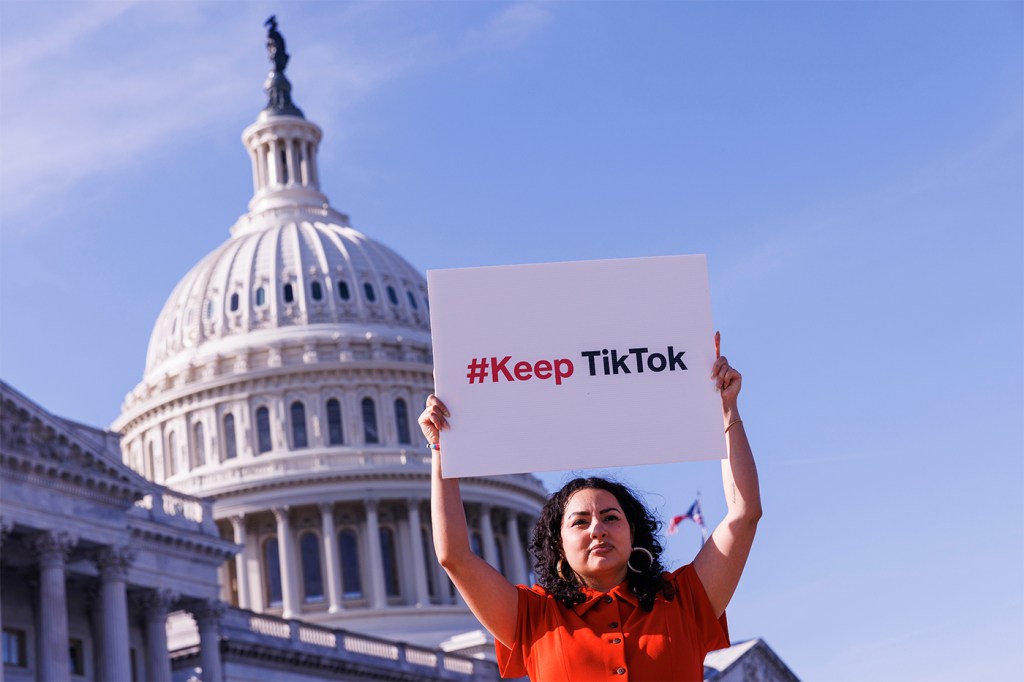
<point>263,443</point>
<point>371,295</point>
<point>428,561</point>
<point>335,435</point>
<point>387,552</point>
<point>283,168</point>
<point>272,572</point>
<point>412,300</point>
<point>351,580</point>
<point>261,296</point>
<point>392,295</point>
<point>312,576</point>
<point>289,294</point>
<point>299,439</point>
<point>172,452</point>
<point>343,291</point>
<point>316,291</point>
<point>199,445</point>
<point>230,446</point>
<point>370,421</point>
<point>234,302</point>
<point>402,422</point>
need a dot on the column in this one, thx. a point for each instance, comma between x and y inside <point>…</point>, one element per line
<point>314,181</point>
<point>241,560</point>
<point>5,528</point>
<point>376,577</point>
<point>154,607</point>
<point>274,164</point>
<point>207,616</point>
<point>285,555</point>
<point>295,174</point>
<point>487,533</point>
<point>516,560</point>
<point>115,661</point>
<point>331,556</point>
<point>52,549</point>
<point>419,567</point>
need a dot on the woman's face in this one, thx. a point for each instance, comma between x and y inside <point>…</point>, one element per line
<point>596,538</point>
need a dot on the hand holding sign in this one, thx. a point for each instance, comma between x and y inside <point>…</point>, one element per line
<point>727,379</point>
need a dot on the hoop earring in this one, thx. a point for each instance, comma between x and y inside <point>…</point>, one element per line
<point>558,568</point>
<point>650,558</point>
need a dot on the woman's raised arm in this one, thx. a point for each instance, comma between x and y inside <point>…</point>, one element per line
<point>719,564</point>
<point>491,598</point>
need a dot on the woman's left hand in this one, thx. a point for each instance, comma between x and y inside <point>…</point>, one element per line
<point>726,378</point>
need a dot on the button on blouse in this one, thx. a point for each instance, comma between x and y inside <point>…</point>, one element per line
<point>609,637</point>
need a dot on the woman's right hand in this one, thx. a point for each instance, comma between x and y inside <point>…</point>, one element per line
<point>433,419</point>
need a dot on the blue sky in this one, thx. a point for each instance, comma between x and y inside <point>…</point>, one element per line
<point>852,170</point>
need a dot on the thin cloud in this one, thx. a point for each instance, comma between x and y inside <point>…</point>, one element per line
<point>82,111</point>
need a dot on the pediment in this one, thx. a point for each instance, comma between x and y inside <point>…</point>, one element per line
<point>37,444</point>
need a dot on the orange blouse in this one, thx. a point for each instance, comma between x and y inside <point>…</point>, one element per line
<point>609,637</point>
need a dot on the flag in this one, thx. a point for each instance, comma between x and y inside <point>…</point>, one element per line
<point>693,513</point>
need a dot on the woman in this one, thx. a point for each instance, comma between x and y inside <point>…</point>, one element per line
<point>603,607</point>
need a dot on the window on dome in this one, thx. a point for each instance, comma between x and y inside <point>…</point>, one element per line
<point>370,421</point>
<point>390,557</point>
<point>402,422</point>
<point>335,435</point>
<point>428,561</point>
<point>316,291</point>
<point>284,167</point>
<point>412,300</point>
<point>263,430</point>
<point>261,296</point>
<point>371,295</point>
<point>312,576</point>
<point>351,580</point>
<point>299,439</point>
<point>230,446</point>
<point>392,295</point>
<point>209,309</point>
<point>199,447</point>
<point>170,465</point>
<point>343,291</point>
<point>234,302</point>
<point>289,293</point>
<point>272,572</point>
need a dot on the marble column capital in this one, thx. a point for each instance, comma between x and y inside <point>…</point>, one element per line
<point>206,611</point>
<point>237,522</point>
<point>156,603</point>
<point>281,514</point>
<point>53,547</point>
<point>326,507</point>
<point>114,562</point>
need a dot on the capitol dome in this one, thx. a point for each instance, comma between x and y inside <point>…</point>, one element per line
<point>283,379</point>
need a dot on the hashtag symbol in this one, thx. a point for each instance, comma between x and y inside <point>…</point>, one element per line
<point>477,370</point>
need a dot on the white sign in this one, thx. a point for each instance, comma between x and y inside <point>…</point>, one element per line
<point>578,365</point>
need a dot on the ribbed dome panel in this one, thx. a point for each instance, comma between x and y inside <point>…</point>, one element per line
<point>300,272</point>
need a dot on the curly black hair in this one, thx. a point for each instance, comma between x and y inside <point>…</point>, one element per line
<point>546,545</point>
